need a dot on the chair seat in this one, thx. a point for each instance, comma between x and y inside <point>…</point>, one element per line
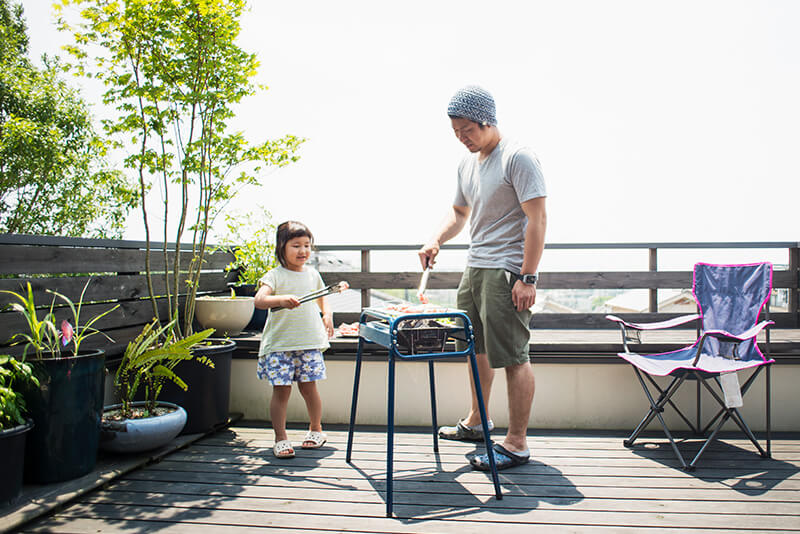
<point>667,363</point>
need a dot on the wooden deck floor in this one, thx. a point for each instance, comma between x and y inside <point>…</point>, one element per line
<point>579,482</point>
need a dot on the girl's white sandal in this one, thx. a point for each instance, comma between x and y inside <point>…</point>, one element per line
<point>283,449</point>
<point>314,440</point>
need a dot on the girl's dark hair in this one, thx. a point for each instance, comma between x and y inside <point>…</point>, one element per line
<point>287,231</point>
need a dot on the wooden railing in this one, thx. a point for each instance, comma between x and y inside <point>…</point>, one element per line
<point>114,270</point>
<point>785,278</point>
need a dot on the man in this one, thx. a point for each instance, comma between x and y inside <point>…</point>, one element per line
<point>501,191</point>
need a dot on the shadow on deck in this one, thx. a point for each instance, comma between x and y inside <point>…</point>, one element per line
<point>578,481</point>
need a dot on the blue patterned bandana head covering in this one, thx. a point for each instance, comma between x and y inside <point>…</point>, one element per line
<point>473,103</point>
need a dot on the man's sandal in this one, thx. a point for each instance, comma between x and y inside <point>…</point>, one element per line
<point>462,432</point>
<point>503,459</point>
<point>283,449</point>
<point>314,440</point>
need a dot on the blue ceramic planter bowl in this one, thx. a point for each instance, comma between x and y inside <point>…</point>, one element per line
<point>138,435</point>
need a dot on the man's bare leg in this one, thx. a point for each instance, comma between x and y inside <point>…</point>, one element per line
<point>486,375</point>
<point>521,387</point>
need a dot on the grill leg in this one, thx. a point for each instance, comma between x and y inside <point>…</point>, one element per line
<point>354,402</point>
<point>432,382</point>
<point>390,439</point>
<point>485,422</point>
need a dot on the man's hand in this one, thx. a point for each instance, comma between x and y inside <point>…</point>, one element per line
<point>427,254</point>
<point>523,295</point>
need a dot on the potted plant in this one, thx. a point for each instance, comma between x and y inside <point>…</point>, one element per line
<point>136,426</point>
<point>14,425</point>
<point>67,402</point>
<point>174,73</point>
<point>227,315</point>
<point>250,238</point>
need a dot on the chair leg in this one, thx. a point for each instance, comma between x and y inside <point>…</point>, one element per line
<point>699,411</point>
<point>655,411</point>
<point>485,423</point>
<point>655,406</point>
<point>691,426</point>
<point>434,423</point>
<point>390,439</point>
<point>354,402</point>
<point>769,410</point>
<point>734,415</point>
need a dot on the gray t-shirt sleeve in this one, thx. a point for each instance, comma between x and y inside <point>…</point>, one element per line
<point>526,177</point>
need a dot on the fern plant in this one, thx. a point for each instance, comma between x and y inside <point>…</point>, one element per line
<point>149,362</point>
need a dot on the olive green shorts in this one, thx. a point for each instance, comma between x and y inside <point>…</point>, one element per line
<point>500,330</point>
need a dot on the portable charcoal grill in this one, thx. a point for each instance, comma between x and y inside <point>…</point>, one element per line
<point>415,336</point>
<point>414,333</point>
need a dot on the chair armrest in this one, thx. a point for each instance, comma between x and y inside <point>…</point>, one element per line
<point>658,325</point>
<point>747,334</point>
<point>723,335</point>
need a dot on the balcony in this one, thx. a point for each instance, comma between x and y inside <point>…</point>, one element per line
<point>582,478</point>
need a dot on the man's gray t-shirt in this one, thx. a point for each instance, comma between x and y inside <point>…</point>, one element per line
<point>494,189</point>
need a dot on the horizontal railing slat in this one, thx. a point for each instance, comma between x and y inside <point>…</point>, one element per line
<point>101,288</point>
<point>24,259</point>
<point>553,280</point>
<point>594,321</point>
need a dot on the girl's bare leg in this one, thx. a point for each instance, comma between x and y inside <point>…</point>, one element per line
<point>313,400</point>
<point>277,410</point>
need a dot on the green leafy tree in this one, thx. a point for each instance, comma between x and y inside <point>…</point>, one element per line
<point>173,72</point>
<point>54,178</point>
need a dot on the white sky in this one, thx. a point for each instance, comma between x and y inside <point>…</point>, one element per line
<point>653,121</point>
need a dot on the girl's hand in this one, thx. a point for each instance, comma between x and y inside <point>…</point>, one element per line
<point>327,320</point>
<point>290,302</point>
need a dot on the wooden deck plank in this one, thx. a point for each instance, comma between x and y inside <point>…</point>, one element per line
<point>92,526</point>
<point>577,482</point>
<point>245,496</point>
<point>293,515</point>
<point>441,486</point>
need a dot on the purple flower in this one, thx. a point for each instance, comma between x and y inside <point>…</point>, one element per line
<point>66,332</point>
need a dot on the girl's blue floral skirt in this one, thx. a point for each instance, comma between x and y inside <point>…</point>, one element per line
<point>283,368</point>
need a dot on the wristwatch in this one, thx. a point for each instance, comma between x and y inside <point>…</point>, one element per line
<point>529,279</point>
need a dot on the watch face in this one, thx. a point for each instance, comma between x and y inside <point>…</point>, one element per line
<point>529,278</point>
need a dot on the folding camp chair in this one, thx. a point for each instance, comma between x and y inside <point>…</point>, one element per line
<point>729,299</point>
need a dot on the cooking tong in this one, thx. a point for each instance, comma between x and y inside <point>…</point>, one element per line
<point>423,284</point>
<point>335,288</point>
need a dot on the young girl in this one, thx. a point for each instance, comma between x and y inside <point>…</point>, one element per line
<point>294,336</point>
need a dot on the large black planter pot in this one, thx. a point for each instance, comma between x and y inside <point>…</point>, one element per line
<point>207,399</point>
<point>12,454</point>
<point>66,410</point>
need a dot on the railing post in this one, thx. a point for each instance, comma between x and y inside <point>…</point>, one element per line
<point>794,268</point>
<point>653,266</point>
<point>365,292</point>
